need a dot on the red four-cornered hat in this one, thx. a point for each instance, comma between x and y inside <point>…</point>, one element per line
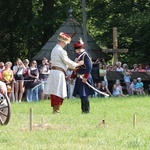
<point>79,44</point>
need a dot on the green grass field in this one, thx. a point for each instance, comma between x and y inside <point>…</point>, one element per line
<point>72,130</point>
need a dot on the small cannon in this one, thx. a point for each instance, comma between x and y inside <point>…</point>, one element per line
<point>5,109</point>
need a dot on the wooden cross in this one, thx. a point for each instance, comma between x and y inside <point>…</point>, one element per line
<point>115,49</point>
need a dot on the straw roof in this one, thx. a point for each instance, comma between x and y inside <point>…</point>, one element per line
<point>69,27</point>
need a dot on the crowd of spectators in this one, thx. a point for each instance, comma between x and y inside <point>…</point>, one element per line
<point>136,86</point>
<point>26,80</point>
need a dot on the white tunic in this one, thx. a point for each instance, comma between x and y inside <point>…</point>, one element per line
<point>56,83</point>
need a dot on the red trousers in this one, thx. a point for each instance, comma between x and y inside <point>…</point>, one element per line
<point>55,100</point>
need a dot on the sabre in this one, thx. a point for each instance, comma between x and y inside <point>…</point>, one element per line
<point>74,34</point>
<point>38,85</point>
<point>94,88</point>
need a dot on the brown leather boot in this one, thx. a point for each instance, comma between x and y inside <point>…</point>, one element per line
<point>56,109</point>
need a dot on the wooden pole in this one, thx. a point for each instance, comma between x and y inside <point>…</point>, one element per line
<point>103,121</point>
<point>84,24</point>
<point>31,117</point>
<point>134,120</point>
<point>42,121</point>
<point>115,46</point>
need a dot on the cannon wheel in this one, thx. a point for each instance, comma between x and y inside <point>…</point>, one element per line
<point>5,109</point>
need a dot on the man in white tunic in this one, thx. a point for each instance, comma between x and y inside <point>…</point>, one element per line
<point>56,83</point>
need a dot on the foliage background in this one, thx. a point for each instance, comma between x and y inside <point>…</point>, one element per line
<point>25,26</point>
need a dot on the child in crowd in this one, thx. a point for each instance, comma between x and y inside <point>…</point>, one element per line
<point>139,86</point>
<point>133,87</point>
<point>148,90</point>
<point>117,89</point>
<point>104,89</point>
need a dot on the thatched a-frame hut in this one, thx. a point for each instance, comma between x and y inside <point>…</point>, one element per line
<point>69,27</point>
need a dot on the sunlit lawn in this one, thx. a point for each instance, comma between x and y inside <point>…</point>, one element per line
<point>72,130</point>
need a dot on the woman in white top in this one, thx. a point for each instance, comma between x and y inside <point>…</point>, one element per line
<point>18,71</point>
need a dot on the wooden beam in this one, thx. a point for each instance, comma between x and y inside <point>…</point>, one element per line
<point>117,50</point>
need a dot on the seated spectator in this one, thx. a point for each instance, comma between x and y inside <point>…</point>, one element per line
<point>148,90</point>
<point>141,68</point>
<point>119,68</point>
<point>104,89</point>
<point>117,89</point>
<point>139,87</point>
<point>133,87</point>
<point>135,68</point>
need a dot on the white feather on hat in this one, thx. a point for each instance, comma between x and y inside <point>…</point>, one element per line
<point>80,40</point>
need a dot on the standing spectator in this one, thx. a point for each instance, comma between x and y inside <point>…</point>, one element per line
<point>25,74</point>
<point>56,78</point>
<point>135,68</point>
<point>119,67</point>
<point>32,94</point>
<point>114,68</point>
<point>141,68</point>
<point>81,88</point>
<point>2,66</point>
<point>147,68</point>
<point>117,89</point>
<point>0,76</point>
<point>109,67</point>
<point>43,75</point>
<point>26,64</point>
<point>102,75</point>
<point>126,73</point>
<point>8,78</point>
<point>18,71</point>
<point>70,84</point>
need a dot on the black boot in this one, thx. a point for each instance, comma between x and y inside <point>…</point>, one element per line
<point>82,106</point>
<point>87,106</point>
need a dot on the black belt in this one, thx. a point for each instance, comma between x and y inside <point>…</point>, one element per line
<point>58,68</point>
